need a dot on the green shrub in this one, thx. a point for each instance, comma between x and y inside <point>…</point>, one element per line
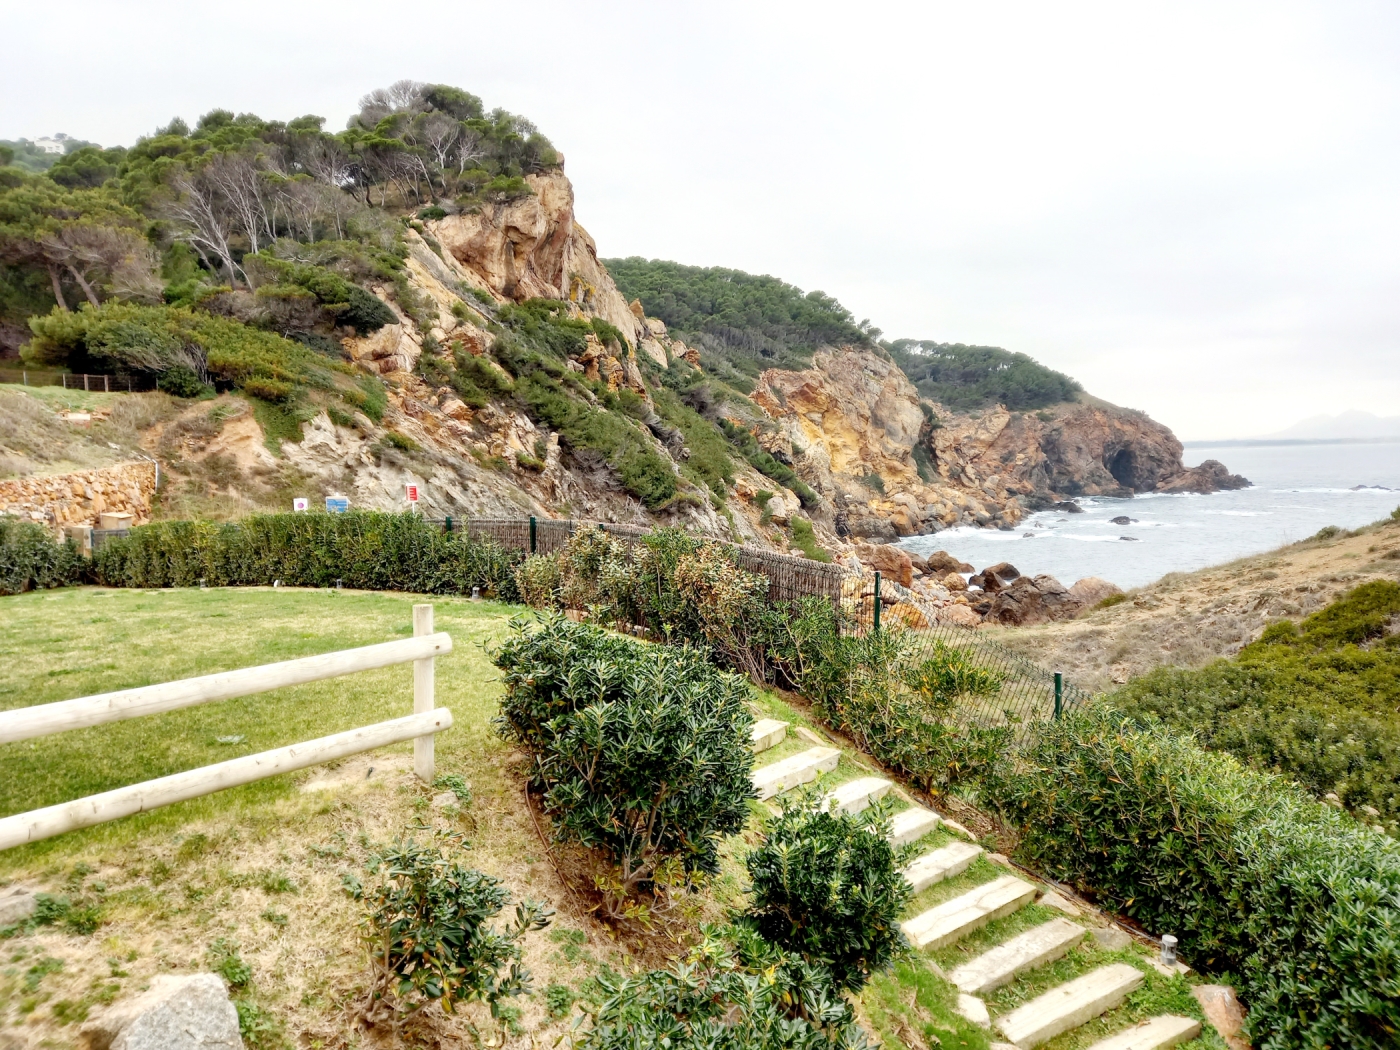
<point>180,381</point>
<point>891,693</point>
<point>1111,601</point>
<point>765,464</point>
<point>641,751</point>
<point>873,482</point>
<point>1251,876</point>
<point>827,887</point>
<point>965,378</point>
<point>734,992</point>
<point>402,442</point>
<point>805,540</point>
<point>432,212</point>
<point>272,390</point>
<point>425,925</point>
<point>346,301</point>
<point>1316,702</point>
<point>365,549</point>
<point>369,396</point>
<point>31,559</point>
<point>538,580</point>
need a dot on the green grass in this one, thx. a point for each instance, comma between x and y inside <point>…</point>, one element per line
<point>57,398</point>
<point>81,641</point>
<point>910,1009</point>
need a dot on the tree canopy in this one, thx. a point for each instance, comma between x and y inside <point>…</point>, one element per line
<point>964,378</point>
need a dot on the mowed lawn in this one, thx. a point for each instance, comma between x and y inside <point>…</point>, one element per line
<point>55,645</point>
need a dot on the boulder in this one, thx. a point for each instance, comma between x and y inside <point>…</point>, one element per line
<point>1210,476</point>
<point>890,561</point>
<point>961,615</point>
<point>1029,601</point>
<point>1091,590</point>
<point>954,582</point>
<point>940,563</point>
<point>1005,571</point>
<point>919,562</point>
<point>906,613</point>
<point>177,1013</point>
<point>1067,507</point>
<point>1123,519</point>
<point>16,905</point>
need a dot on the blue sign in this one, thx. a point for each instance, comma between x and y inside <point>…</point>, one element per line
<point>337,504</point>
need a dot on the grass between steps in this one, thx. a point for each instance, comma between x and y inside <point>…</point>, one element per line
<point>910,1008</point>
<point>1157,995</point>
<point>980,871</point>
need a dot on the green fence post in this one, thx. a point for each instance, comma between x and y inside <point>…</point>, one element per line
<point>1059,693</point>
<point>877,600</point>
<point>448,528</point>
<point>532,534</point>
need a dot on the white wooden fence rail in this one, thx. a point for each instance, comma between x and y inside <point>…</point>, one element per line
<point>46,719</point>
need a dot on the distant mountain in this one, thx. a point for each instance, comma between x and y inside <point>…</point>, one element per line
<point>1352,424</point>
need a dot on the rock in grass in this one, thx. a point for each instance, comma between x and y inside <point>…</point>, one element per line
<point>190,1012</point>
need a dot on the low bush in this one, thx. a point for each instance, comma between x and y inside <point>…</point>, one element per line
<point>734,992</point>
<point>1254,878</point>
<point>538,580</point>
<point>31,559</point>
<point>641,751</point>
<point>805,540</point>
<point>1315,702</point>
<point>827,887</point>
<point>365,549</point>
<point>765,464</point>
<point>425,925</point>
<point>891,693</point>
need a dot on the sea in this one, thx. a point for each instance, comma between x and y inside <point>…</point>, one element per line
<point>1297,489</point>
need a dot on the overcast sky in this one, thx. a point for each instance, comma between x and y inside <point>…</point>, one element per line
<point>1191,208</point>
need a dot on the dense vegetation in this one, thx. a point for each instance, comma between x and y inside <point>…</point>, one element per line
<point>964,378</point>
<point>1316,702</point>
<point>30,558</point>
<point>641,751</point>
<point>827,887</point>
<point>1295,898</point>
<point>364,549</point>
<point>741,323</point>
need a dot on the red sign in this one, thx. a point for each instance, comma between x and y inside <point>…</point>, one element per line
<point>411,491</point>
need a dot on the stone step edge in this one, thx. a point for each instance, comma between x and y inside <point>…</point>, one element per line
<point>1026,951</point>
<point>855,795</point>
<point>1070,1005</point>
<point>801,768</point>
<point>1156,1033</point>
<point>939,864</point>
<point>910,825</point>
<point>767,733</point>
<point>982,904</point>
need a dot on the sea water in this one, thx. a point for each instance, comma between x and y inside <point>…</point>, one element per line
<point>1297,490</point>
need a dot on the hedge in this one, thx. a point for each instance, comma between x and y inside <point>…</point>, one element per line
<point>361,549</point>
<point>31,559</point>
<point>1252,876</point>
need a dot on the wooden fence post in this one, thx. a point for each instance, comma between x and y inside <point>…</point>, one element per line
<point>423,695</point>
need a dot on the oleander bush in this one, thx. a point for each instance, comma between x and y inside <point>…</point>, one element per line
<point>31,559</point>
<point>827,887</point>
<point>640,751</point>
<point>1252,876</point>
<point>359,549</point>
<point>1316,702</point>
<point>426,925</point>
<point>733,992</point>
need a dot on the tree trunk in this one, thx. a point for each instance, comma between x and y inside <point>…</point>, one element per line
<point>58,288</point>
<point>83,284</point>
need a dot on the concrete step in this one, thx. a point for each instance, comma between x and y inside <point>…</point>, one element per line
<point>1070,1005</point>
<point>958,917</point>
<point>1026,951</point>
<point>855,795</point>
<point>942,863</point>
<point>1153,1034</point>
<point>768,732</point>
<point>801,768</point>
<point>974,1009</point>
<point>910,825</point>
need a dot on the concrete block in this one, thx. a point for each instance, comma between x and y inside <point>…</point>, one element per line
<point>958,917</point>
<point>1070,1005</point>
<point>855,795</point>
<point>975,1010</point>
<point>1111,938</point>
<point>798,769</point>
<point>1153,1034</point>
<point>1027,951</point>
<point>768,732</point>
<point>937,865</point>
<point>910,825</point>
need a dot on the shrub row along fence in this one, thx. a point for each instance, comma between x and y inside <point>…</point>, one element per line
<point>1025,692</point>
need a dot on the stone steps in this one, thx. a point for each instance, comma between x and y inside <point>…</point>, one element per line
<point>1152,1034</point>
<point>1070,1005</point>
<point>910,825</point>
<point>801,768</point>
<point>1027,951</point>
<point>958,917</point>
<point>855,795</point>
<point>768,732</point>
<point>943,863</point>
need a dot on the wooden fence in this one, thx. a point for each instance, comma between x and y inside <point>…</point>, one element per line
<point>76,380</point>
<point>26,723</point>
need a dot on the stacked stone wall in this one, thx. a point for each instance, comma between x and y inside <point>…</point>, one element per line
<point>81,497</point>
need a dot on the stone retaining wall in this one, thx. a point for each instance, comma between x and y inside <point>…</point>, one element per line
<point>80,497</point>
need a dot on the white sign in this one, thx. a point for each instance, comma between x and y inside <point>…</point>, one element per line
<point>300,504</point>
<point>411,492</point>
